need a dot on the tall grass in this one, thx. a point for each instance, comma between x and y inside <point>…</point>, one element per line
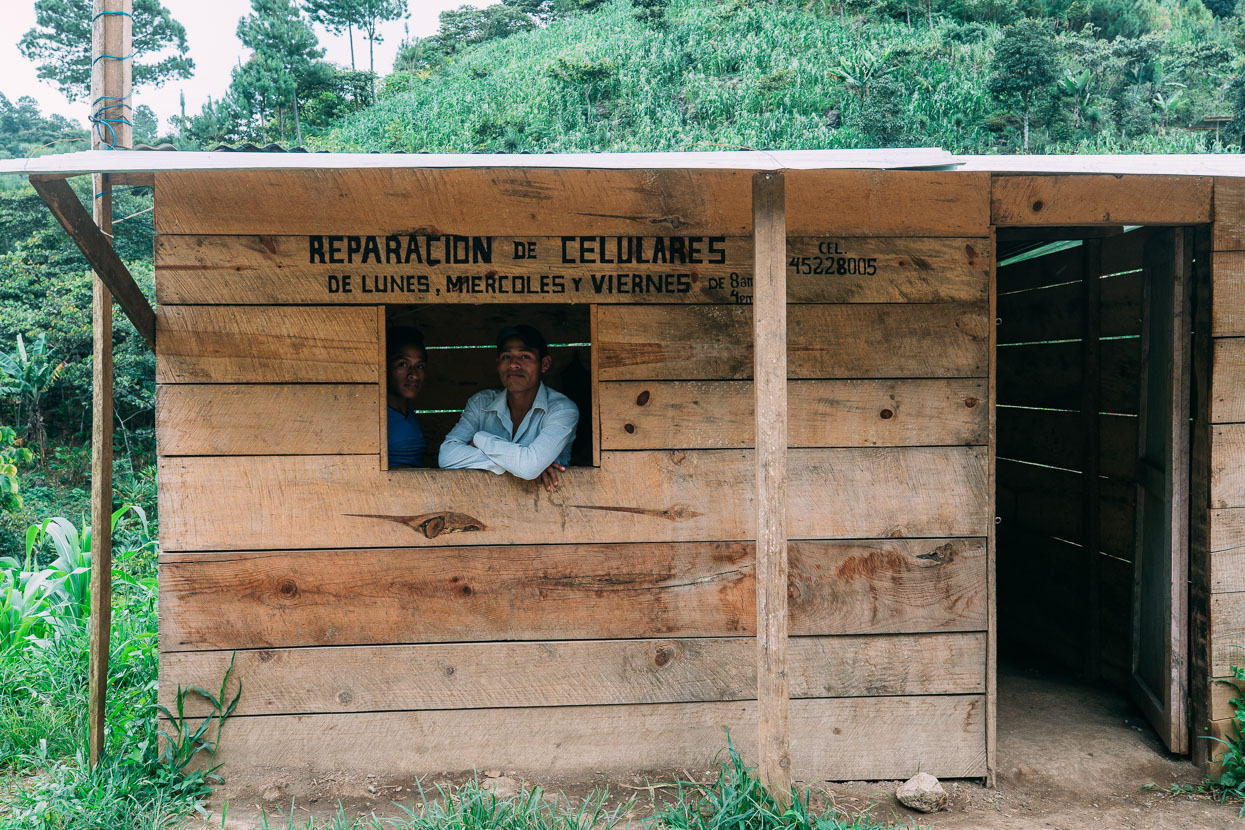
<point>45,779</point>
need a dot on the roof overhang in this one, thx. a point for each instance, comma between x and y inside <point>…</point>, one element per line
<point>154,161</point>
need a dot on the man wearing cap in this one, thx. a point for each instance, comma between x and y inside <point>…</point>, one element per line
<point>525,428</point>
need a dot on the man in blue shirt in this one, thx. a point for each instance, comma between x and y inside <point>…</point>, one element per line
<point>406,363</point>
<point>525,428</point>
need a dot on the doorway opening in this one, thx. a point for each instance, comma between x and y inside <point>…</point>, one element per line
<point>1093,405</point>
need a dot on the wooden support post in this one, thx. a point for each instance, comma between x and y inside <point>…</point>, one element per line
<point>91,237</point>
<point>992,548</point>
<point>769,316</point>
<point>1091,404</point>
<point>111,35</point>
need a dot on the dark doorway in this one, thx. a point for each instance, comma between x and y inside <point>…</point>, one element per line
<point>1092,429</point>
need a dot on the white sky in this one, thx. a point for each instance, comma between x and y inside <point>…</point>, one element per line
<point>210,32</point>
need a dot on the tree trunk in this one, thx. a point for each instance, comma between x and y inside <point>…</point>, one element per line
<point>1026,120</point>
<point>350,36</point>
<point>281,122</point>
<point>371,60</point>
<point>298,127</point>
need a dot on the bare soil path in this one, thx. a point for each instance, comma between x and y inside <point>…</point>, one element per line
<point>1071,757</point>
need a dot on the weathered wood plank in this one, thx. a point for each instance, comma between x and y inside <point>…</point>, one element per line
<point>267,419</point>
<point>267,344</point>
<point>887,203</point>
<point>1227,382</point>
<point>1227,632</point>
<point>1227,532</point>
<point>824,341</point>
<point>1229,228</point>
<point>1100,200</point>
<point>1227,465</point>
<point>1222,692</point>
<point>521,202</point>
<point>1228,278</point>
<point>1059,268</point>
<point>334,501</point>
<point>878,738</point>
<point>570,673</point>
<point>261,270</point>
<point>769,338</point>
<point>367,597</point>
<point>839,413</point>
<point>479,325</point>
<point>834,269</point>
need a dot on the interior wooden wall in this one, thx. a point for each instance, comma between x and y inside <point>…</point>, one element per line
<point>1068,398</point>
<point>419,620</point>
<point>1219,533</point>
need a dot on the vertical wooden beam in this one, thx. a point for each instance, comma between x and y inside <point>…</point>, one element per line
<point>110,94</point>
<point>1091,404</point>
<point>992,617</point>
<point>382,346</point>
<point>769,319</point>
<point>1199,504</point>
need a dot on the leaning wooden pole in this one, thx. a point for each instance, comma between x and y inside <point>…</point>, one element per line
<point>769,316</point>
<point>111,44</point>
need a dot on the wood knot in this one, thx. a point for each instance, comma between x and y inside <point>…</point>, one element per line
<point>344,697</point>
<point>971,252</point>
<point>642,398</point>
<point>940,555</point>
<point>678,456</point>
<point>663,656</point>
<point>466,590</point>
<point>971,402</point>
<point>264,656</point>
<point>449,671</point>
<point>287,588</point>
<point>629,429</point>
<point>886,414</point>
<point>1038,205</point>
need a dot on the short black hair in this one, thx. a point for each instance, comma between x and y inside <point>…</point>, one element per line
<point>401,337</point>
<point>529,336</point>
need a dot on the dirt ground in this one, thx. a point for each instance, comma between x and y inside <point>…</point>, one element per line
<point>1071,757</point>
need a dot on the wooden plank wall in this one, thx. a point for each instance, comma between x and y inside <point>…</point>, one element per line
<point>446,619</point>
<point>1068,348</point>
<point>1219,550</point>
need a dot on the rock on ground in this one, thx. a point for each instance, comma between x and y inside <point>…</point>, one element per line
<point>922,792</point>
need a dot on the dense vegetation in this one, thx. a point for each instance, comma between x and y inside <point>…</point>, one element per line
<point>970,76</point>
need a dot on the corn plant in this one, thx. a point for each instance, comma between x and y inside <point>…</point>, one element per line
<point>25,375</point>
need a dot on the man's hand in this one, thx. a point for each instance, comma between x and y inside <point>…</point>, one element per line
<point>549,478</point>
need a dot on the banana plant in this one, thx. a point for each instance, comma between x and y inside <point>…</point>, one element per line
<point>25,375</point>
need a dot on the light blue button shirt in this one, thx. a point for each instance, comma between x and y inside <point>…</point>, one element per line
<point>544,436</point>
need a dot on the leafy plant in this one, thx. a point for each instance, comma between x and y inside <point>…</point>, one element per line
<point>25,375</point>
<point>12,455</point>
<point>1231,779</point>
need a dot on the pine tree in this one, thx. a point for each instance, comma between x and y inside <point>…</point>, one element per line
<point>60,43</point>
<point>285,49</point>
<point>337,16</point>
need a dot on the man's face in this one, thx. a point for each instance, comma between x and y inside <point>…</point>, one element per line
<point>406,372</point>
<point>520,367</point>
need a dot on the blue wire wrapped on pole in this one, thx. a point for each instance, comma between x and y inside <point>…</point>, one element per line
<point>98,118</point>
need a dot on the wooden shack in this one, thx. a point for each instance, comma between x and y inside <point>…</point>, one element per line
<point>1047,451</point>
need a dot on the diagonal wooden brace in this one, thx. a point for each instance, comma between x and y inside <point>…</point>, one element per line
<point>98,250</point>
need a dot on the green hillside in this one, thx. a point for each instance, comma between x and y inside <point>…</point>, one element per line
<point>715,74</point>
